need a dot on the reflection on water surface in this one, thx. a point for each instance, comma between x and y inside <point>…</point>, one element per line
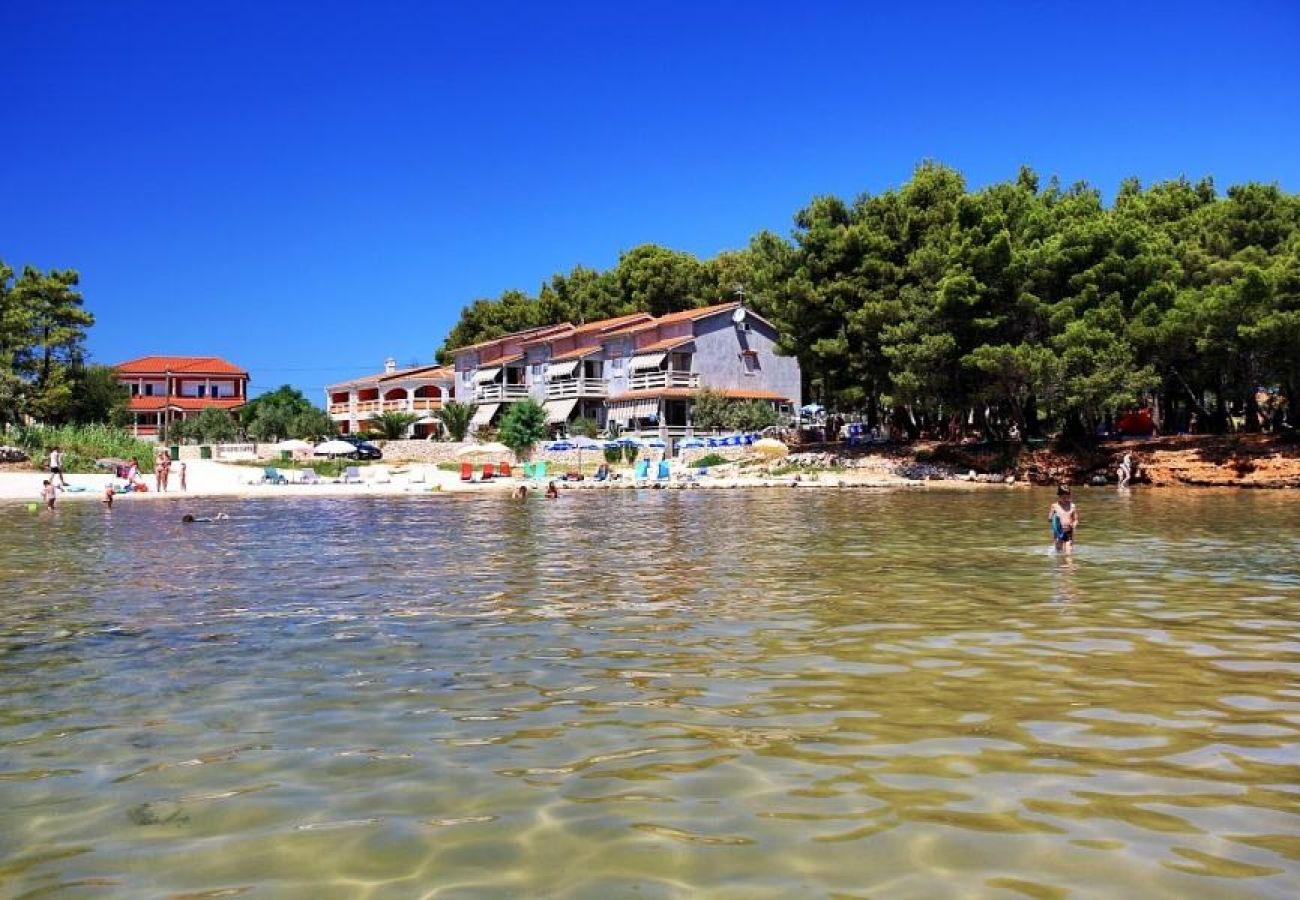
<point>735,694</point>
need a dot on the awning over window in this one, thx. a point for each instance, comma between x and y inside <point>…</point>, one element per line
<point>559,410</point>
<point>646,361</point>
<point>483,376</point>
<point>563,369</point>
<point>483,414</point>
<point>628,410</point>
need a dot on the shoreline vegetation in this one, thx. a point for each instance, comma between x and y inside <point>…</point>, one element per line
<point>1026,307</point>
<point>1244,461</point>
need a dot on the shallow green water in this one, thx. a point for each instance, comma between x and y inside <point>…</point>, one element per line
<point>778,693</point>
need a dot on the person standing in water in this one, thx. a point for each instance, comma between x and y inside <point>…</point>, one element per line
<point>1064,516</point>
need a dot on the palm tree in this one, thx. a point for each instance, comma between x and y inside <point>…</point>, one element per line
<point>392,425</point>
<point>455,417</point>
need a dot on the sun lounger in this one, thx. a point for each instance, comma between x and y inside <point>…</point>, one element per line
<point>504,470</point>
<point>664,472</point>
<point>539,470</point>
<point>351,475</point>
<point>489,471</point>
<point>272,475</point>
<point>415,475</point>
<point>642,470</point>
<point>379,474</point>
<point>309,476</point>
<point>466,472</point>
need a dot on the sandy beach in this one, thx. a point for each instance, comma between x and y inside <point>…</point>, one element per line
<point>209,478</point>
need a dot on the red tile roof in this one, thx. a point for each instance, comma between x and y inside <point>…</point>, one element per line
<point>530,333</point>
<point>685,315</point>
<point>424,373</point>
<point>576,353</point>
<point>179,365</point>
<point>151,404</point>
<point>664,346</point>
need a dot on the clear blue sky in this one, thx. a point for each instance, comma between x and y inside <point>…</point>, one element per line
<point>307,188</point>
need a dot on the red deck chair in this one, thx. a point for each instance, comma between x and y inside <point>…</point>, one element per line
<point>504,469</point>
<point>488,471</point>
<point>466,472</point>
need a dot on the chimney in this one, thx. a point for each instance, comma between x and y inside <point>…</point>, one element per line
<point>390,366</point>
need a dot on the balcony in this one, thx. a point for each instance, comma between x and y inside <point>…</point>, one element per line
<point>500,393</point>
<point>368,407</point>
<point>340,409</point>
<point>568,388</point>
<point>657,378</point>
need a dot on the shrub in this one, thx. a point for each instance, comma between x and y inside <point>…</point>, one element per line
<point>83,444</point>
<point>710,459</point>
<point>584,427</point>
<point>523,425</point>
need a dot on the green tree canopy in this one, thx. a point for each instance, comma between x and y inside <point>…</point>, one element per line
<point>523,425</point>
<point>285,413</point>
<point>455,417</point>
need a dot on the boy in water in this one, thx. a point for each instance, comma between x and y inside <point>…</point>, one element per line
<point>47,493</point>
<point>1064,516</point>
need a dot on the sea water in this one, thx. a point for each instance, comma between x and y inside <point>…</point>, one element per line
<point>750,693</point>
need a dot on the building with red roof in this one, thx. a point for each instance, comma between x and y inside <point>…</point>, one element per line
<point>166,389</point>
<point>637,372</point>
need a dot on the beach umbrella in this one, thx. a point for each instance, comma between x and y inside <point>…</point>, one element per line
<point>769,448</point>
<point>558,446</point>
<point>293,445</point>
<point>653,443</point>
<point>582,442</point>
<point>333,448</point>
<point>691,443</point>
<point>630,441</point>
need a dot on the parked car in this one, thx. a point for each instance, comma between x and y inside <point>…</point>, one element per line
<point>364,449</point>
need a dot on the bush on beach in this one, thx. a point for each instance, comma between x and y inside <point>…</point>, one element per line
<point>82,445</point>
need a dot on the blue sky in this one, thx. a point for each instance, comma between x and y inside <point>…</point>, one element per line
<point>307,188</point>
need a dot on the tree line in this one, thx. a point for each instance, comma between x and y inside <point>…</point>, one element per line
<point>1019,304</point>
<point>44,372</point>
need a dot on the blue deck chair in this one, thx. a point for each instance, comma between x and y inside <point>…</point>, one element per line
<point>271,475</point>
<point>663,472</point>
<point>642,470</point>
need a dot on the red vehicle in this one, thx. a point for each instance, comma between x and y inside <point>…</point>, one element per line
<point>1137,424</point>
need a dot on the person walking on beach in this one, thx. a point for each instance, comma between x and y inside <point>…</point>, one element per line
<point>56,468</point>
<point>1064,516</point>
<point>162,463</point>
<point>182,476</point>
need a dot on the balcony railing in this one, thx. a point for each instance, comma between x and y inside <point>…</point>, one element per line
<point>563,388</point>
<point>370,407</point>
<point>500,393</point>
<point>658,378</point>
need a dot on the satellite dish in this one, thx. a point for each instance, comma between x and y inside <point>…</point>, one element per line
<point>739,315</point>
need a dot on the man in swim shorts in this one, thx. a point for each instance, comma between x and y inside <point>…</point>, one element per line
<point>56,468</point>
<point>1064,516</point>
